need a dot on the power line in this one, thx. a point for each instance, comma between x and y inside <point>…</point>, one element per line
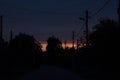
<point>80,30</point>
<point>99,10</point>
<point>86,25</point>
<point>87,17</point>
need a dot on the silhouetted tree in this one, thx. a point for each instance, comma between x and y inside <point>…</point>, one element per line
<point>3,60</point>
<point>24,54</point>
<point>106,35</point>
<point>102,57</point>
<point>54,44</point>
<point>54,49</point>
<point>3,45</point>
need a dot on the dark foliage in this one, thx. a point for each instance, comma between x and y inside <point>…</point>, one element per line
<point>54,49</point>
<point>106,37</point>
<point>102,57</point>
<point>3,60</point>
<point>24,55</point>
<point>54,44</point>
<point>97,61</point>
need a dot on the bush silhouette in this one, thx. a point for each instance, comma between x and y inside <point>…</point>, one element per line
<point>24,54</point>
<point>106,36</point>
<point>54,44</point>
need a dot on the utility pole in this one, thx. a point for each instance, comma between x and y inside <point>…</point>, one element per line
<point>86,27</point>
<point>73,35</point>
<point>11,35</point>
<point>1,27</point>
<point>118,11</point>
<point>65,44</point>
<point>86,23</point>
<point>77,44</point>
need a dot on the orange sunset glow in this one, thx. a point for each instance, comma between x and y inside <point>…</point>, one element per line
<point>63,45</point>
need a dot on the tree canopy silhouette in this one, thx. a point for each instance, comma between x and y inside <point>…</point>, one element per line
<point>106,33</point>
<point>3,45</point>
<point>101,58</point>
<point>105,47</point>
<point>24,54</point>
<point>3,59</point>
<point>53,44</point>
<point>54,49</point>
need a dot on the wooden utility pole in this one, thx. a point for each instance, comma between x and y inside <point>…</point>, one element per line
<point>65,44</point>
<point>11,35</point>
<point>1,27</point>
<point>118,11</point>
<point>86,23</point>
<point>77,44</point>
<point>73,36</point>
<point>86,27</point>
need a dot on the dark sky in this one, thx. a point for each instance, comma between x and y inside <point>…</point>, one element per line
<point>43,18</point>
